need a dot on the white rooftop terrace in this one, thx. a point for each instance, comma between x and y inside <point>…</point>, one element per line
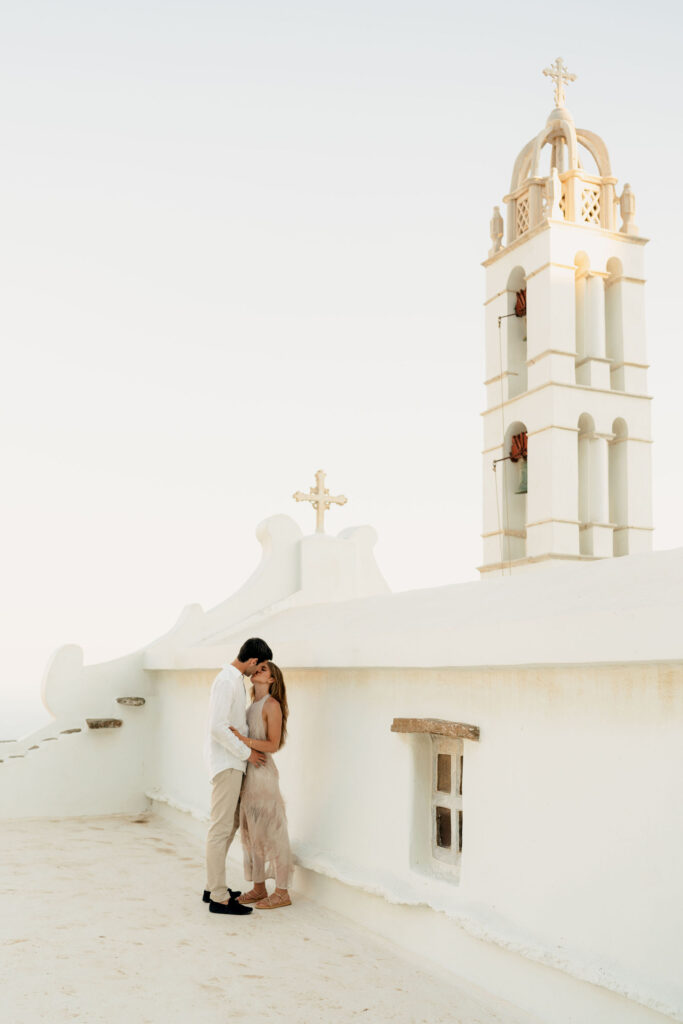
<point>103,922</point>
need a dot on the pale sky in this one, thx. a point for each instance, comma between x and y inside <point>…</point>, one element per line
<point>241,242</point>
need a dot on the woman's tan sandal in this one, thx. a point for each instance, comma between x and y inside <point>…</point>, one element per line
<point>273,902</point>
<point>250,897</point>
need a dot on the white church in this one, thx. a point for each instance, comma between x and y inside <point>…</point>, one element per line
<point>487,773</point>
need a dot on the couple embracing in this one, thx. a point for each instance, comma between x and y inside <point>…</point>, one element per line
<point>245,792</point>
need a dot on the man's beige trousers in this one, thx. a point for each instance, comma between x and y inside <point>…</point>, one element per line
<point>225,809</point>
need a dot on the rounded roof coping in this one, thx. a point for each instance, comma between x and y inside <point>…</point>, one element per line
<point>613,610</point>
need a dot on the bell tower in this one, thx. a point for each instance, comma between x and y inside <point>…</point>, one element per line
<point>567,467</point>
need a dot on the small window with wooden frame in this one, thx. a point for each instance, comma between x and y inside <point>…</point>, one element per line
<point>439,748</point>
<point>447,824</point>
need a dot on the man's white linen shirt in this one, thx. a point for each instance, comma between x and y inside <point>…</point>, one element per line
<point>227,706</point>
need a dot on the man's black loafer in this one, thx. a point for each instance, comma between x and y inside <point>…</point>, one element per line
<point>231,907</point>
<point>233,895</point>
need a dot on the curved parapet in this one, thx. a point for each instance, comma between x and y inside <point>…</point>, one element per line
<point>276,578</point>
<point>62,680</point>
<point>189,625</point>
<point>73,691</point>
<point>312,570</point>
<point>91,758</point>
<point>294,570</point>
<point>276,532</point>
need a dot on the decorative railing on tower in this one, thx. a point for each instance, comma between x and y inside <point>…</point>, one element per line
<point>569,192</point>
<point>583,199</point>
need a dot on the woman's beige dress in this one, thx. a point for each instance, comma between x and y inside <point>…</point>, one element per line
<point>263,820</point>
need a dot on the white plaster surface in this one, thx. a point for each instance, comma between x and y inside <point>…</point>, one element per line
<point>571,847</point>
<point>616,610</point>
<point>102,921</point>
<point>294,571</point>
<point>570,851</point>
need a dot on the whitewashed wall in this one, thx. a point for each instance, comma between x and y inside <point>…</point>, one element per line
<point>59,772</point>
<point>570,843</point>
<point>569,896</point>
<point>570,826</point>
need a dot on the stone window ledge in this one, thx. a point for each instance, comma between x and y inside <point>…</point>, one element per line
<point>436,727</point>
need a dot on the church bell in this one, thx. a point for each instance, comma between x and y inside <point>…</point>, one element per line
<point>522,489</point>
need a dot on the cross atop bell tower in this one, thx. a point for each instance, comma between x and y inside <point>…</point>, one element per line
<point>567,441</point>
<point>561,75</point>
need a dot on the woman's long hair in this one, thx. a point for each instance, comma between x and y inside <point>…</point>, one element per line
<point>279,692</point>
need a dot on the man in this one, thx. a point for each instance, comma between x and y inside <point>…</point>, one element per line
<point>226,758</point>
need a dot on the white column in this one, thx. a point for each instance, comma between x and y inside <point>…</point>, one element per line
<point>535,202</point>
<point>607,219</point>
<point>626,347</point>
<point>618,494</point>
<point>580,315</point>
<point>594,369</point>
<point>618,484</point>
<point>496,347</point>
<point>599,477</point>
<point>552,514</point>
<point>632,298</point>
<point>551,334</point>
<point>511,218</point>
<point>492,484</point>
<point>614,333</point>
<point>572,194</point>
<point>614,321</point>
<point>599,541</point>
<point>595,316</point>
<point>639,483</point>
<point>634,369</point>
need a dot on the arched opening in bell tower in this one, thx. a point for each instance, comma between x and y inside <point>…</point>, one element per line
<point>515,485</point>
<point>516,322</point>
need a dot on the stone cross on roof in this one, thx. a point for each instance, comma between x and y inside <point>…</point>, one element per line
<point>561,77</point>
<point>320,499</point>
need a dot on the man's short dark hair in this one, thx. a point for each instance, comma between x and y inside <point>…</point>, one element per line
<point>255,648</point>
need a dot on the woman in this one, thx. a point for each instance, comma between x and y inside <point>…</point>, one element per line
<point>263,822</point>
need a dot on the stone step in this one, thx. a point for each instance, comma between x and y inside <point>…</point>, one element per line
<point>104,723</point>
<point>108,723</point>
<point>131,702</point>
